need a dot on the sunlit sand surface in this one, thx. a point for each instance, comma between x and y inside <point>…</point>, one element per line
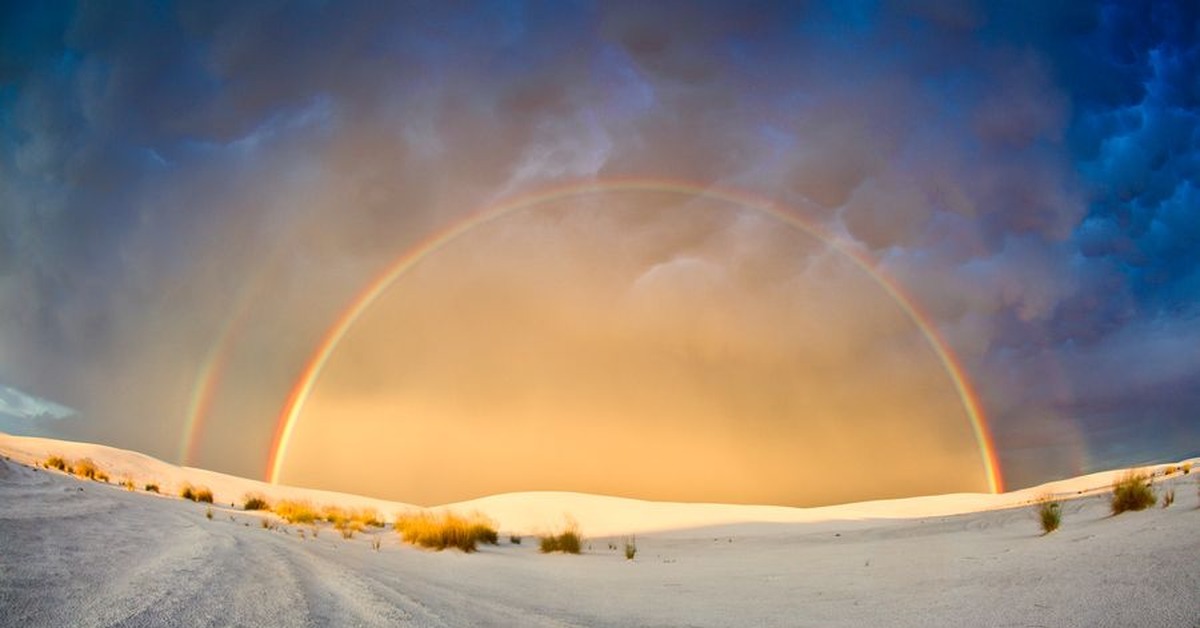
<point>83,553</point>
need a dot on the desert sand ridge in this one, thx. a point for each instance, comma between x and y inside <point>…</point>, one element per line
<point>143,469</point>
<point>74,552</point>
<point>534,511</point>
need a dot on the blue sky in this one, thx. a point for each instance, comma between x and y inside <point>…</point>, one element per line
<point>1029,172</point>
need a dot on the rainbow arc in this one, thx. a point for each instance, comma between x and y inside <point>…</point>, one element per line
<point>294,404</point>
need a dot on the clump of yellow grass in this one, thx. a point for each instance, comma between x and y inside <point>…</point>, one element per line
<point>1132,492</point>
<point>448,529</point>
<point>295,511</point>
<point>85,468</point>
<point>568,541</point>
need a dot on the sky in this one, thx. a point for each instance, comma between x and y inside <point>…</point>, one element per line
<point>192,193</point>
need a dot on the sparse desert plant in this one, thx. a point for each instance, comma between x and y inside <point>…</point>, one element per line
<point>1170,470</point>
<point>85,468</point>
<point>567,541</point>
<point>360,517</point>
<point>196,493</point>
<point>484,531</point>
<point>255,502</point>
<point>375,543</point>
<point>1132,492</point>
<point>56,462</point>
<point>348,527</point>
<point>1187,468</point>
<point>1168,497</point>
<point>295,511</point>
<point>128,484</point>
<point>333,514</point>
<point>630,547</point>
<point>447,530</point>
<point>367,517</point>
<point>1049,513</point>
<point>515,539</point>
<point>342,521</point>
<point>208,513</point>
<point>265,523</point>
<point>151,488</point>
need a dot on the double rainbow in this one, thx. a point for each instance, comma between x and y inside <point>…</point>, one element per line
<point>290,413</point>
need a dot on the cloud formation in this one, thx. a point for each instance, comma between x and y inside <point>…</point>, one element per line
<point>1027,171</point>
<point>18,405</point>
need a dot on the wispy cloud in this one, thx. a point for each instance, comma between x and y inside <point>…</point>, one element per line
<point>20,405</point>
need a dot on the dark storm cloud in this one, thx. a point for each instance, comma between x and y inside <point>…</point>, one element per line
<point>1028,170</point>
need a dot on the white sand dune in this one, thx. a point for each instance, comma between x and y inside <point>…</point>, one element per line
<point>538,511</point>
<point>142,469</point>
<point>81,553</point>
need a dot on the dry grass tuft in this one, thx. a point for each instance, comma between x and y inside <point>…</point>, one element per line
<point>447,530</point>
<point>1049,512</point>
<point>348,527</point>
<point>296,511</point>
<point>56,462</point>
<point>85,468</point>
<point>128,484</point>
<point>1187,468</point>
<point>1168,497</point>
<point>367,516</point>
<point>254,501</point>
<point>347,522</point>
<point>151,488</point>
<point>569,541</point>
<point>630,547</point>
<point>196,493</point>
<point>360,517</point>
<point>333,514</point>
<point>1132,492</point>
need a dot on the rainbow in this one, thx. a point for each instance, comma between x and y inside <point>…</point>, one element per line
<point>290,413</point>
<point>208,377</point>
<point>212,368</point>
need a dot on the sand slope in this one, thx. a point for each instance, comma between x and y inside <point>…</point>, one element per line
<point>81,553</point>
<point>142,469</point>
<point>533,512</point>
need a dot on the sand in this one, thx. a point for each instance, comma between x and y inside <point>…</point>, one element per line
<point>82,553</point>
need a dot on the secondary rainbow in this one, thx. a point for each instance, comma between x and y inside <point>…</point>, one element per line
<point>290,413</point>
<point>216,360</point>
<point>208,377</point>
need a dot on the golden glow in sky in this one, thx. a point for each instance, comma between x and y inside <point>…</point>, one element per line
<point>652,346</point>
